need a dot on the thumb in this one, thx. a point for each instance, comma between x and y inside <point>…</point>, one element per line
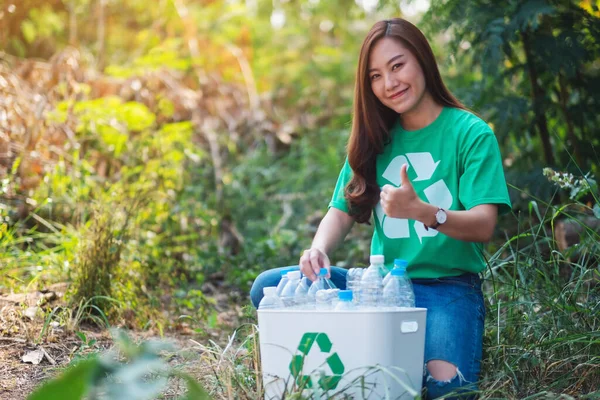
<point>404,176</point>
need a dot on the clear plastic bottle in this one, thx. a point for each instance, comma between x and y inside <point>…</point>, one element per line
<point>283,281</point>
<point>301,294</point>
<point>334,293</point>
<point>353,278</point>
<point>398,292</point>
<point>371,284</point>
<point>323,300</point>
<point>321,283</point>
<point>345,301</point>
<point>289,291</point>
<point>398,263</point>
<point>270,301</point>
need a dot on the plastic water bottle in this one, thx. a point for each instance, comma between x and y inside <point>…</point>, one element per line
<point>334,293</point>
<point>270,301</point>
<point>371,284</point>
<point>353,278</point>
<point>301,294</point>
<point>323,300</point>
<point>398,292</point>
<point>289,291</point>
<point>345,301</point>
<point>322,283</point>
<point>398,263</point>
<point>283,281</point>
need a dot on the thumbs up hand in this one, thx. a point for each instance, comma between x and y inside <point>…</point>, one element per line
<point>401,202</point>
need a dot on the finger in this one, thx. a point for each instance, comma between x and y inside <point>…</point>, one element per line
<point>315,263</point>
<point>385,209</point>
<point>387,188</point>
<point>404,176</point>
<point>305,266</point>
<point>307,270</point>
<point>327,264</point>
<point>384,203</point>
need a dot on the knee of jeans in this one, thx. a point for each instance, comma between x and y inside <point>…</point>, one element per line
<point>266,278</point>
<point>441,387</point>
<point>255,294</point>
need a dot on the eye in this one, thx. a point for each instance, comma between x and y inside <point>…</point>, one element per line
<point>397,65</point>
<point>374,76</point>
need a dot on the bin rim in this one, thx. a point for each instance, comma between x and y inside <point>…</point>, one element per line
<point>404,310</point>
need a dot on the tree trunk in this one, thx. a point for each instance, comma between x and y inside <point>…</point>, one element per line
<point>571,137</point>
<point>585,99</point>
<point>72,24</point>
<point>537,94</point>
<point>101,33</point>
<point>568,232</point>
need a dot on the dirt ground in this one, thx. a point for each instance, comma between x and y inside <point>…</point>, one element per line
<point>26,331</point>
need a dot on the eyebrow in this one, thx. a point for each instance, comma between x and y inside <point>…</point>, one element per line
<point>389,62</point>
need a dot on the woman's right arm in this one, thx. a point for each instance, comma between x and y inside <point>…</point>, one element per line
<point>332,230</point>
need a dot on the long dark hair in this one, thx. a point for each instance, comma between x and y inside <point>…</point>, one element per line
<point>372,120</point>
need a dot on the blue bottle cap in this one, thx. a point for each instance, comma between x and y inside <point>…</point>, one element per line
<point>398,272</point>
<point>398,262</point>
<point>323,272</point>
<point>345,295</point>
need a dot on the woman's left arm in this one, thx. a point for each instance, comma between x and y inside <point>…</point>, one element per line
<point>474,225</point>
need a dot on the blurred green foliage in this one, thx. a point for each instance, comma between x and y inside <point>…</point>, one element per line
<point>204,138</point>
<point>128,371</point>
<point>295,61</point>
<point>532,68</point>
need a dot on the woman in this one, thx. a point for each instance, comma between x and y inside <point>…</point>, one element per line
<point>430,173</point>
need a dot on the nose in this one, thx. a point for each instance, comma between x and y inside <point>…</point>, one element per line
<point>390,83</point>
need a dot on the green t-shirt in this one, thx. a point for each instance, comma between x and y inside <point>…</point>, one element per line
<point>453,163</point>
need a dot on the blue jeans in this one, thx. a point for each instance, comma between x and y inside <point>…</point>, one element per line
<point>455,317</point>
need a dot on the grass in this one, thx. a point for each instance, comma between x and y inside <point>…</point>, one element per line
<point>543,302</point>
<point>541,339</point>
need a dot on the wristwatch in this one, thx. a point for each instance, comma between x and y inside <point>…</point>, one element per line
<point>440,218</point>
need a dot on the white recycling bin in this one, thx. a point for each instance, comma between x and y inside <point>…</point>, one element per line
<point>357,354</point>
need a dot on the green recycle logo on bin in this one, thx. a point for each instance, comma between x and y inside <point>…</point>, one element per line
<point>326,382</point>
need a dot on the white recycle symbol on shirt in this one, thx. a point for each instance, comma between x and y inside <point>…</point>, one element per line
<point>437,194</point>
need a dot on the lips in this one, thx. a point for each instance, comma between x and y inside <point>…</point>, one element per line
<point>398,94</point>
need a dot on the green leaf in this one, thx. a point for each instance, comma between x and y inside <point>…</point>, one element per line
<point>530,12</point>
<point>596,210</point>
<point>195,390</point>
<point>137,116</point>
<point>15,166</point>
<point>72,385</point>
<point>533,205</point>
<point>166,107</point>
<point>81,336</point>
<point>114,139</point>
<point>29,31</point>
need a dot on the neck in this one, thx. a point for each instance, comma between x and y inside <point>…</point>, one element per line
<point>423,114</point>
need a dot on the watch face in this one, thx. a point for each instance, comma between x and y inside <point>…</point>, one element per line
<point>441,216</point>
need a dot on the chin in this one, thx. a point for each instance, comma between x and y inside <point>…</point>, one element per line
<point>402,108</point>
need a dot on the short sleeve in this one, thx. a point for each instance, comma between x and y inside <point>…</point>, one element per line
<point>338,200</point>
<point>482,180</point>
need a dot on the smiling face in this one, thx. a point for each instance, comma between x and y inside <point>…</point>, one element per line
<point>395,75</point>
